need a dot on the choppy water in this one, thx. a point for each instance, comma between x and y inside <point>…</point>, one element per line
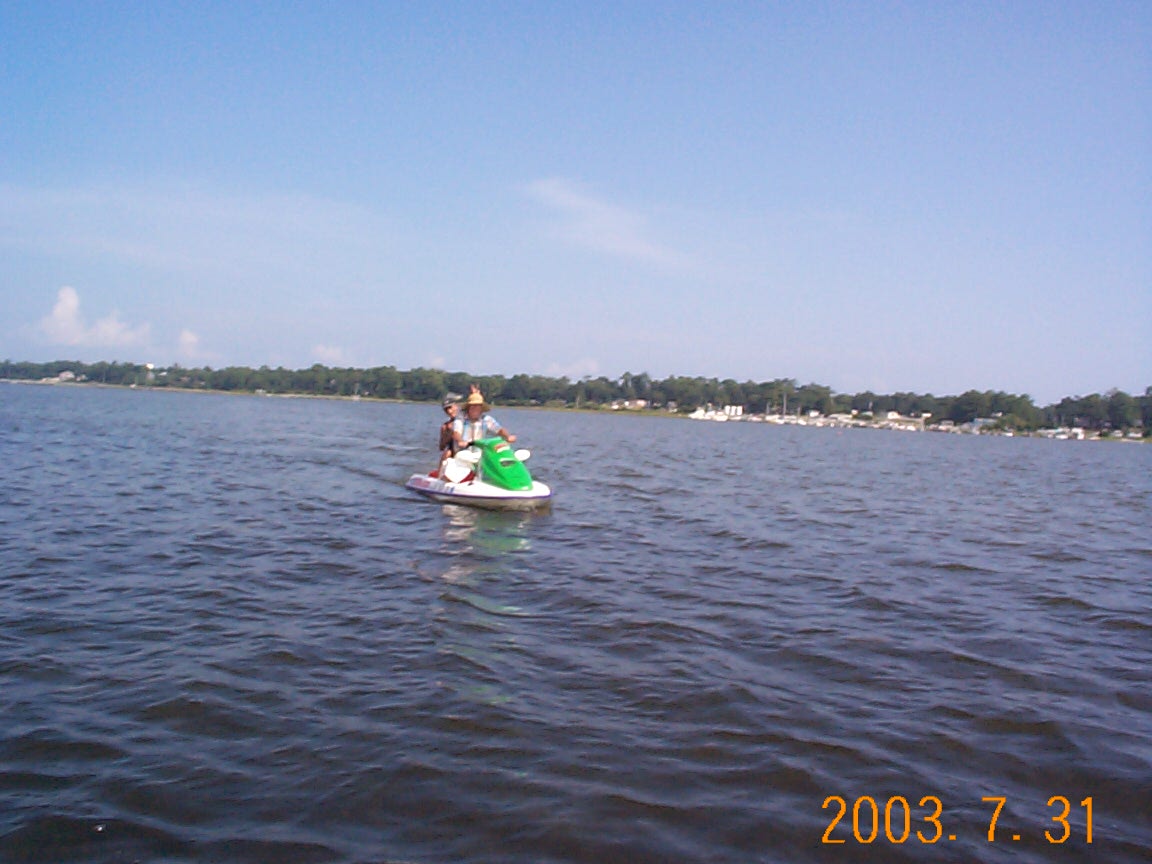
<point>228,634</point>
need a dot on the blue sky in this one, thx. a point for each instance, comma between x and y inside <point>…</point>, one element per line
<point>890,196</point>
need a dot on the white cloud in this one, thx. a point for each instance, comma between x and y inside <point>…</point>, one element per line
<point>190,350</point>
<point>602,226</point>
<point>189,343</point>
<point>330,355</point>
<point>65,325</point>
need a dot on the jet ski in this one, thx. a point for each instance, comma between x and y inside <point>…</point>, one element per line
<point>488,473</point>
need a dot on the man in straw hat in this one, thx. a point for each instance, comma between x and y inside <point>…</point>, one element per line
<point>477,422</point>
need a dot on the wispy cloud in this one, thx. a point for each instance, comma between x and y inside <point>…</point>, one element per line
<point>190,349</point>
<point>182,230</point>
<point>585,367</point>
<point>601,225</point>
<point>65,325</point>
<point>189,343</point>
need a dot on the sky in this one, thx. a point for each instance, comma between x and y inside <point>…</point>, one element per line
<point>885,196</point>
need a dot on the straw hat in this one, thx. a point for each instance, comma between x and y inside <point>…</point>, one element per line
<point>476,399</point>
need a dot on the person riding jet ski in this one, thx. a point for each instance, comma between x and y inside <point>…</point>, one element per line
<point>483,470</point>
<point>477,423</point>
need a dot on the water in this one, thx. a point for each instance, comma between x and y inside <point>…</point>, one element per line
<point>228,634</point>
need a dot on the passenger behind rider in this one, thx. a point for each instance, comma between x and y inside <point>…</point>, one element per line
<point>448,444</point>
<point>477,423</point>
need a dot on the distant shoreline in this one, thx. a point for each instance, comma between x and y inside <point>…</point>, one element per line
<point>903,424</point>
<point>782,400</point>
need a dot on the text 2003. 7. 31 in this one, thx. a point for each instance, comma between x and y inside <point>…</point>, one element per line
<point>895,821</point>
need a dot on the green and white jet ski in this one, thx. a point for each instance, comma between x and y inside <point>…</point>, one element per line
<point>488,473</point>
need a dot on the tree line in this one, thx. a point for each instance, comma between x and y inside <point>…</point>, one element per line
<point>1113,410</point>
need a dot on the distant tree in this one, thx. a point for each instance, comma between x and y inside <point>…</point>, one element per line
<point>383,382</point>
<point>627,391</point>
<point>970,405</point>
<point>517,390</point>
<point>423,385</point>
<point>841,403</point>
<point>1092,412</point>
<point>599,390</point>
<point>642,384</point>
<point>1123,410</point>
<point>457,382</point>
<point>1089,412</point>
<point>865,401</point>
<point>913,404</point>
<point>777,394</point>
<point>233,378</point>
<point>731,393</point>
<point>542,389</point>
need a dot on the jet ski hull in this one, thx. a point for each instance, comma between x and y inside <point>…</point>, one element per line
<point>477,493</point>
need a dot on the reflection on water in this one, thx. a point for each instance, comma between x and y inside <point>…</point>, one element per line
<point>491,532</point>
<point>480,549</point>
<point>478,542</point>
